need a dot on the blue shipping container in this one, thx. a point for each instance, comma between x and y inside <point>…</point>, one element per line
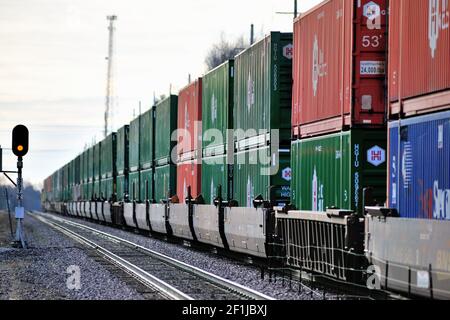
<point>419,171</point>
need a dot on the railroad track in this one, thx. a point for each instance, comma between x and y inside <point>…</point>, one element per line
<point>174,279</point>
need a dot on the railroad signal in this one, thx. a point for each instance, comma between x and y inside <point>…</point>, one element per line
<point>20,140</point>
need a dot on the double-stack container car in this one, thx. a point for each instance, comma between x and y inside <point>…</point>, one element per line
<point>189,141</point>
<point>134,159</point>
<point>261,115</point>
<point>165,155</point>
<point>217,123</point>
<point>410,251</point>
<point>122,154</point>
<point>146,155</point>
<point>339,105</point>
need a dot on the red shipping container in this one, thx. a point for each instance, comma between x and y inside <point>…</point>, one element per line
<point>419,56</point>
<point>188,175</point>
<point>339,67</point>
<point>189,118</point>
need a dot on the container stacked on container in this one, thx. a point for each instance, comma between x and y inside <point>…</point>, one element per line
<point>419,95</point>
<point>189,140</point>
<point>338,105</point>
<point>97,150</point>
<point>122,167</point>
<point>217,120</point>
<point>146,156</point>
<point>134,160</point>
<point>262,112</point>
<point>165,167</point>
<point>108,167</point>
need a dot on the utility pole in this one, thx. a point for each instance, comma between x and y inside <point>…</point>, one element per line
<point>252,34</point>
<point>109,108</point>
<point>295,10</point>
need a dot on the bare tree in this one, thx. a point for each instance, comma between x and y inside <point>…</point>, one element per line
<point>223,51</point>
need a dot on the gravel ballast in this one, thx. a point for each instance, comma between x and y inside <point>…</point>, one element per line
<point>236,271</point>
<point>45,269</point>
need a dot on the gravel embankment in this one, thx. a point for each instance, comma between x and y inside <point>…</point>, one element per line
<point>41,272</point>
<point>236,271</point>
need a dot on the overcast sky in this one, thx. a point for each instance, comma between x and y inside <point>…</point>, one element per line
<point>53,67</point>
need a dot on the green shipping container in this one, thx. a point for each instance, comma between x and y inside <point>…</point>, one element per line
<point>215,172</point>
<point>146,140</point>
<point>97,168</point>
<point>122,187</point>
<point>146,185</point>
<point>263,86</point>
<point>165,182</point>
<point>134,145</point>
<point>77,169</point>
<point>107,188</point>
<point>108,156</point>
<point>261,172</point>
<point>90,165</point>
<point>122,150</point>
<point>134,185</point>
<point>165,124</point>
<point>217,104</point>
<point>333,170</point>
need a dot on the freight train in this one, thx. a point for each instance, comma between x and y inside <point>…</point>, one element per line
<point>295,151</point>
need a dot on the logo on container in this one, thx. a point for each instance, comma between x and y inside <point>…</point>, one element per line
<point>250,92</point>
<point>319,66</point>
<point>407,165</point>
<point>438,19</point>
<point>288,51</point>
<point>376,156</point>
<point>441,202</point>
<point>212,191</point>
<point>213,108</point>
<point>317,193</point>
<point>372,10</point>
<point>286,174</point>
<point>250,193</point>
<point>186,116</point>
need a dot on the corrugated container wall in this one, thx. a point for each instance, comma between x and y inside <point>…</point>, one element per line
<point>419,171</point>
<point>108,167</point>
<point>188,175</point>
<point>339,67</point>
<point>165,125</point>
<point>216,172</point>
<point>165,182</point>
<point>122,150</point>
<point>122,164</point>
<point>90,173</point>
<point>134,145</point>
<point>97,168</point>
<point>146,185</point>
<point>217,106</point>
<point>419,55</point>
<point>256,175</point>
<point>146,140</point>
<point>189,119</point>
<point>332,171</point>
<point>263,86</point>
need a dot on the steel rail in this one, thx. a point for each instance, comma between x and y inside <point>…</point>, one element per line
<point>144,277</point>
<point>225,283</point>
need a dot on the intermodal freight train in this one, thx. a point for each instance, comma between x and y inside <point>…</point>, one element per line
<point>326,150</point>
